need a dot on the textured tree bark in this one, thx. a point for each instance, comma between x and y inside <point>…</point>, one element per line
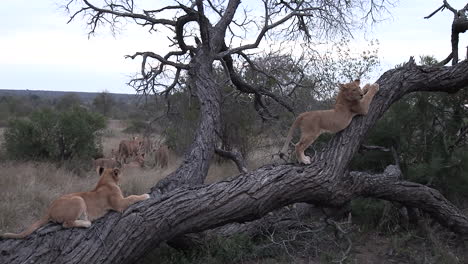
<point>197,159</point>
<point>459,25</point>
<point>235,156</point>
<point>123,238</point>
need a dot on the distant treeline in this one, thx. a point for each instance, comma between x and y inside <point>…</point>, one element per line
<point>21,103</point>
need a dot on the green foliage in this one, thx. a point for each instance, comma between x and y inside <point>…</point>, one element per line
<point>14,106</point>
<point>235,249</point>
<point>428,132</point>
<point>53,135</point>
<point>104,103</point>
<point>239,127</point>
<point>68,101</point>
<point>136,126</point>
<point>374,214</point>
<point>181,125</point>
<point>343,64</point>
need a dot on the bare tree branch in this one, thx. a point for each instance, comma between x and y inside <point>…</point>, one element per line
<point>235,156</point>
<point>459,25</point>
<point>129,14</point>
<point>437,10</point>
<point>158,57</point>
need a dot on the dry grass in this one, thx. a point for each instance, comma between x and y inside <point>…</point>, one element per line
<point>27,188</point>
<point>112,136</point>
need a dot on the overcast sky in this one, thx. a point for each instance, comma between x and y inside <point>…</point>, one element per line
<point>40,51</point>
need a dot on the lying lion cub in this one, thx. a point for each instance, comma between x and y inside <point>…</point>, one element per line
<point>80,209</point>
<point>350,101</point>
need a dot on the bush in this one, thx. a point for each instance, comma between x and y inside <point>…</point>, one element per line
<point>53,135</point>
<point>236,249</point>
<point>136,127</point>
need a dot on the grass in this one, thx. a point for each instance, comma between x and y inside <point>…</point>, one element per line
<point>27,188</point>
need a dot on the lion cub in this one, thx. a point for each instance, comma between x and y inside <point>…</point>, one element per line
<point>80,209</point>
<point>351,101</point>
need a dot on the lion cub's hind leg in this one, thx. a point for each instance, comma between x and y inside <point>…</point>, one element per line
<point>305,141</point>
<point>70,211</point>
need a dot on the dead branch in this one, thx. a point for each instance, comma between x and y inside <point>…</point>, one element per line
<point>235,156</point>
<point>459,25</point>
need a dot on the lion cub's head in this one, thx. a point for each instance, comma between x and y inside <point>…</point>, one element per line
<point>351,91</point>
<point>110,175</point>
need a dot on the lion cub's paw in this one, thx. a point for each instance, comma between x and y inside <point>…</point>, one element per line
<point>306,160</point>
<point>146,196</point>
<point>86,224</point>
<point>376,86</point>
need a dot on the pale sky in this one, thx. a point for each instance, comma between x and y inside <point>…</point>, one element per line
<point>40,51</point>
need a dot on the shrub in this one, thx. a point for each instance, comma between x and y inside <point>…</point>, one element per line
<point>53,135</point>
<point>136,127</point>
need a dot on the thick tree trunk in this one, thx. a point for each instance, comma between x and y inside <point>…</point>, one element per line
<point>193,170</point>
<point>124,238</point>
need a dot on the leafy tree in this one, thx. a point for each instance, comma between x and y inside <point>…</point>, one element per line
<point>54,135</point>
<point>68,101</point>
<point>104,103</point>
<point>428,132</point>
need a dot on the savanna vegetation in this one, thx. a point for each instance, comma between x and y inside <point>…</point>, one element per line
<point>389,189</point>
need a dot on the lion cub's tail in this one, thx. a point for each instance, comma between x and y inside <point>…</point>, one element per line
<point>29,230</point>
<point>284,150</point>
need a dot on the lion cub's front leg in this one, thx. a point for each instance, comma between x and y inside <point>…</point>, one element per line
<point>120,203</point>
<point>370,91</point>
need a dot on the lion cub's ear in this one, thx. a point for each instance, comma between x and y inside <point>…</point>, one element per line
<point>101,170</point>
<point>115,173</point>
<point>357,81</point>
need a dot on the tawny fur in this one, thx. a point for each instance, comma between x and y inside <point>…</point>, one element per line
<point>137,162</point>
<point>106,164</point>
<point>128,149</point>
<point>161,156</point>
<point>351,101</point>
<point>146,145</point>
<point>80,209</point>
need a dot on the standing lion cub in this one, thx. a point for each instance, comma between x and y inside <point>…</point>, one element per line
<point>351,101</point>
<point>80,209</point>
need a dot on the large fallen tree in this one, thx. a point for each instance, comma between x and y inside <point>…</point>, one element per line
<point>118,238</point>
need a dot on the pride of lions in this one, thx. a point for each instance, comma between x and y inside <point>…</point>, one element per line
<point>80,209</point>
<point>131,153</point>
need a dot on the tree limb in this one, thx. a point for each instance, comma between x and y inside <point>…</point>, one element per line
<point>244,87</point>
<point>446,60</point>
<point>129,15</point>
<point>163,60</point>
<point>433,13</point>
<point>234,156</point>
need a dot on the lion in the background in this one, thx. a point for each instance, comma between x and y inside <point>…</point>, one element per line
<point>137,162</point>
<point>128,149</point>
<point>351,101</point>
<point>80,209</point>
<point>161,156</point>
